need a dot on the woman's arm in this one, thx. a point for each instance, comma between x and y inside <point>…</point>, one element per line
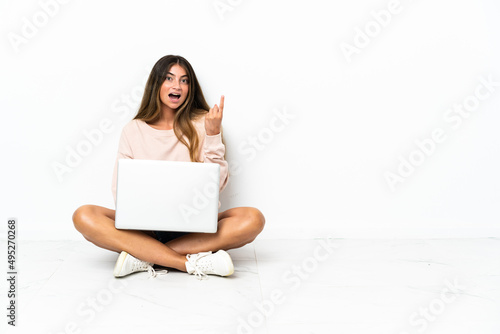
<point>213,152</point>
<point>213,148</point>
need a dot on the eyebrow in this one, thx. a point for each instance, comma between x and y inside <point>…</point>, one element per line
<point>174,74</point>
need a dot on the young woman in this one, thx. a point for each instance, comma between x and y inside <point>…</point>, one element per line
<point>174,122</point>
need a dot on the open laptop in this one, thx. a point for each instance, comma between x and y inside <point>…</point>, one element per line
<point>161,195</point>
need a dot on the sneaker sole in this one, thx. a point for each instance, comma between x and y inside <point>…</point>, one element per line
<point>230,266</point>
<point>119,264</point>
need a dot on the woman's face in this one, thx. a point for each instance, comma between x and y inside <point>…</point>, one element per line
<point>174,90</point>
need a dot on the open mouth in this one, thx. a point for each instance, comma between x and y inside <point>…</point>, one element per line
<point>174,97</point>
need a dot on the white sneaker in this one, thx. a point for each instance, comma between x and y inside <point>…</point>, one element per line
<point>127,264</point>
<point>206,263</point>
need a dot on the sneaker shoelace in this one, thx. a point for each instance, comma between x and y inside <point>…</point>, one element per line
<point>141,265</point>
<point>153,273</point>
<point>199,268</point>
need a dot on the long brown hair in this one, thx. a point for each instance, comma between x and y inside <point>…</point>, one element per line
<point>194,106</point>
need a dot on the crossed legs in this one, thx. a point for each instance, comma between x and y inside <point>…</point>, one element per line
<point>236,228</point>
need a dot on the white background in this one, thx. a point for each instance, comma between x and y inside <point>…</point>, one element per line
<point>320,173</point>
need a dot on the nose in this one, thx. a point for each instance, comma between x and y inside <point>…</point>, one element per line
<point>177,84</point>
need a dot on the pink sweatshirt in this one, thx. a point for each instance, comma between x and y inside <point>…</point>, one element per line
<point>138,140</point>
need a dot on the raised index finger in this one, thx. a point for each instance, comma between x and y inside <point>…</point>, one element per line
<point>221,104</point>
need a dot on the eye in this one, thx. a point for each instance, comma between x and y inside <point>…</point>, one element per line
<point>169,78</point>
<point>185,81</point>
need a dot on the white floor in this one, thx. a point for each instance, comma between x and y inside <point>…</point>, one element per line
<point>279,286</point>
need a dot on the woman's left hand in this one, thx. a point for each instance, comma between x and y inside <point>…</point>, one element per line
<point>213,118</point>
